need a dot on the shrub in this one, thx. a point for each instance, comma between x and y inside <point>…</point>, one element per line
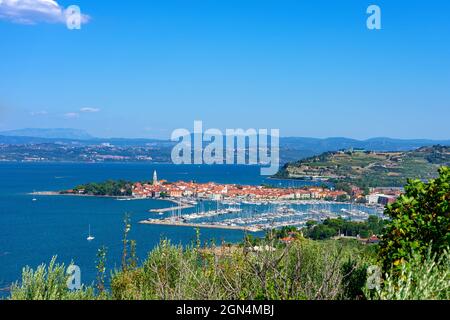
<point>302,270</point>
<point>420,219</point>
<point>47,283</point>
<point>419,279</point>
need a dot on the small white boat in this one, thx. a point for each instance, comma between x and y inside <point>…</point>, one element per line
<point>34,199</point>
<point>90,237</point>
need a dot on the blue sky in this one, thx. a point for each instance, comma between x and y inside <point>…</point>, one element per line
<point>309,68</point>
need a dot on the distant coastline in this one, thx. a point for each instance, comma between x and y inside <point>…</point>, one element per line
<point>59,193</point>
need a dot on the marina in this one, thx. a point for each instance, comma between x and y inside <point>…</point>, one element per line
<point>177,223</point>
<point>259,216</point>
<point>180,206</point>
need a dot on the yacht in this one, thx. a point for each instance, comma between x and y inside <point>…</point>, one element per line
<point>90,237</point>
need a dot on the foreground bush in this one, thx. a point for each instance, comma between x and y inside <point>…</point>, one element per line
<point>419,279</point>
<point>419,219</point>
<point>302,270</point>
<point>47,283</point>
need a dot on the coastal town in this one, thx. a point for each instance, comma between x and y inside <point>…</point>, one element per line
<point>218,192</point>
<point>257,208</point>
<point>215,191</point>
<point>251,208</point>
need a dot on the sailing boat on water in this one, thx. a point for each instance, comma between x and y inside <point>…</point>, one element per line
<point>90,237</point>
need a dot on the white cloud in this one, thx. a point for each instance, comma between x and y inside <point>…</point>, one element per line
<point>71,115</point>
<point>89,110</point>
<point>34,11</point>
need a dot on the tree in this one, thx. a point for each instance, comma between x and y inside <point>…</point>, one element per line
<point>108,188</point>
<point>375,225</point>
<point>310,224</point>
<point>420,219</point>
<point>342,198</point>
<point>321,232</point>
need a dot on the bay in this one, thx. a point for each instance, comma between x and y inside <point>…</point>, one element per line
<point>32,232</point>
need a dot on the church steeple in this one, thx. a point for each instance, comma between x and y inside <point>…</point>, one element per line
<point>155,178</point>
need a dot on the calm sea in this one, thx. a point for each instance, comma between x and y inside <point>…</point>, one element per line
<point>32,232</point>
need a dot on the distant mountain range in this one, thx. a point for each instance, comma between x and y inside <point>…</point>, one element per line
<point>69,136</point>
<point>291,148</point>
<point>58,133</point>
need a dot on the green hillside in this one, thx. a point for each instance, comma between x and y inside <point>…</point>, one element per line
<point>370,169</point>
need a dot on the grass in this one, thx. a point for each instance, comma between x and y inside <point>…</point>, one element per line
<point>304,270</point>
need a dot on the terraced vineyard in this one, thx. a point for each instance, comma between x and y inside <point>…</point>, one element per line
<point>370,169</point>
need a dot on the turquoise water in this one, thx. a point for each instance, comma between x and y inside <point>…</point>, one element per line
<point>32,232</point>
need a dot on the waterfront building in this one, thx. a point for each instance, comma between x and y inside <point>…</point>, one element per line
<point>379,198</point>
